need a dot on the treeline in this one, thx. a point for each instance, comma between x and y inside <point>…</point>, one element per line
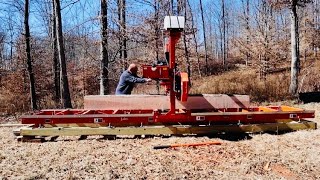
<point>53,52</point>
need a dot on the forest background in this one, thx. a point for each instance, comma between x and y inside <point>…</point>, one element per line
<point>54,52</point>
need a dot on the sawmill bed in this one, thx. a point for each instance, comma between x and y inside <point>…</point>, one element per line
<point>32,134</point>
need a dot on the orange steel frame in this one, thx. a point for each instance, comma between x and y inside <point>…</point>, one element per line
<point>172,116</point>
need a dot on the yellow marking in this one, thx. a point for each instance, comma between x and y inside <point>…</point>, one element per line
<point>266,109</point>
<point>288,108</point>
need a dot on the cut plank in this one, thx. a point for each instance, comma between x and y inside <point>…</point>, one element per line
<point>14,125</point>
<point>129,102</point>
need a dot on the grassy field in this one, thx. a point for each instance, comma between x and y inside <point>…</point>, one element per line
<point>292,155</point>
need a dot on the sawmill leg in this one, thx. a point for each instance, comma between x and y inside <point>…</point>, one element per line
<point>30,139</point>
<point>53,138</point>
<point>109,137</point>
<point>83,137</point>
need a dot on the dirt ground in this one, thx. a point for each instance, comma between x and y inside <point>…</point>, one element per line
<point>292,155</point>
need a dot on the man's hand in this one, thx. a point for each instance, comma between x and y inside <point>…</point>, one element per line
<point>147,79</point>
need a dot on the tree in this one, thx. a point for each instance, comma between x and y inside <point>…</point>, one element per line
<point>316,26</point>
<point>156,27</point>
<point>65,94</point>
<point>295,52</point>
<point>28,56</point>
<point>295,59</point>
<point>104,62</point>
<point>204,37</point>
<point>122,32</point>
<point>223,37</point>
<point>185,41</point>
<point>2,42</point>
<point>56,65</point>
<point>246,13</point>
<point>195,39</point>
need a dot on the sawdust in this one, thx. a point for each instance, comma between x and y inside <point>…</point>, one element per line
<point>264,156</point>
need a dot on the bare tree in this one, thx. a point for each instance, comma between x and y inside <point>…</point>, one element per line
<point>104,62</point>
<point>186,51</point>
<point>28,55</point>
<point>56,65</point>
<point>65,93</point>
<point>122,32</point>
<point>295,54</point>
<point>156,28</point>
<point>223,29</point>
<point>195,39</point>
<point>2,42</point>
<point>265,28</point>
<point>316,26</point>
<point>204,37</point>
<point>246,13</point>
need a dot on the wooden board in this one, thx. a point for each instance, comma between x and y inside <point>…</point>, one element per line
<point>128,102</point>
<point>168,130</point>
<point>14,125</point>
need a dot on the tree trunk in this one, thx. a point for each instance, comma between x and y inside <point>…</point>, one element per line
<point>2,39</point>
<point>185,42</point>
<point>122,32</point>
<point>204,38</point>
<point>156,28</point>
<point>171,8</point>
<point>104,62</point>
<point>223,34</point>
<point>295,61</point>
<point>55,55</point>
<point>316,22</point>
<point>195,39</point>
<point>125,53</point>
<point>28,54</point>
<point>266,29</point>
<point>119,4</point>
<point>305,34</point>
<point>247,27</point>
<point>65,94</point>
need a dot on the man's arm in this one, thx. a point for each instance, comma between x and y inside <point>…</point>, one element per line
<point>134,79</point>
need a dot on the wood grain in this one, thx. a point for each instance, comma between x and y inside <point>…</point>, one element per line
<point>204,101</point>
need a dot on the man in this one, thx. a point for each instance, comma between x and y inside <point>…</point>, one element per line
<point>128,79</point>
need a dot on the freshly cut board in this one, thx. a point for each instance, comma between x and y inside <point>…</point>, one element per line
<point>129,102</point>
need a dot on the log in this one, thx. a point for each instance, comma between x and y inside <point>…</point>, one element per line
<point>195,102</point>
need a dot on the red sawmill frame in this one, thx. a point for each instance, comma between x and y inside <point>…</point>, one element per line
<point>120,118</point>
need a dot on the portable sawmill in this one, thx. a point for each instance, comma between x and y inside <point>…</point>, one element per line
<point>176,113</point>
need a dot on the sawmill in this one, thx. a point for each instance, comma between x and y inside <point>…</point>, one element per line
<point>175,113</point>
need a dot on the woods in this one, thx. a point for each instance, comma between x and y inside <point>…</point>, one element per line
<point>53,53</point>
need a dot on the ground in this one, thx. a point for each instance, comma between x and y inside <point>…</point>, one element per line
<point>292,155</point>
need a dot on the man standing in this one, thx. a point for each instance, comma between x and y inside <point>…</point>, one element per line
<point>128,79</point>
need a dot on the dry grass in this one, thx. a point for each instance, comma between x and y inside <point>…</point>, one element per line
<point>246,80</point>
<point>265,156</point>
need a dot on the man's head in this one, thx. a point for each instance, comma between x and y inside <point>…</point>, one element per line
<point>133,69</point>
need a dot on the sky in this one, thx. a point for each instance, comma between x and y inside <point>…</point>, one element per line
<point>76,13</point>
<point>81,16</point>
